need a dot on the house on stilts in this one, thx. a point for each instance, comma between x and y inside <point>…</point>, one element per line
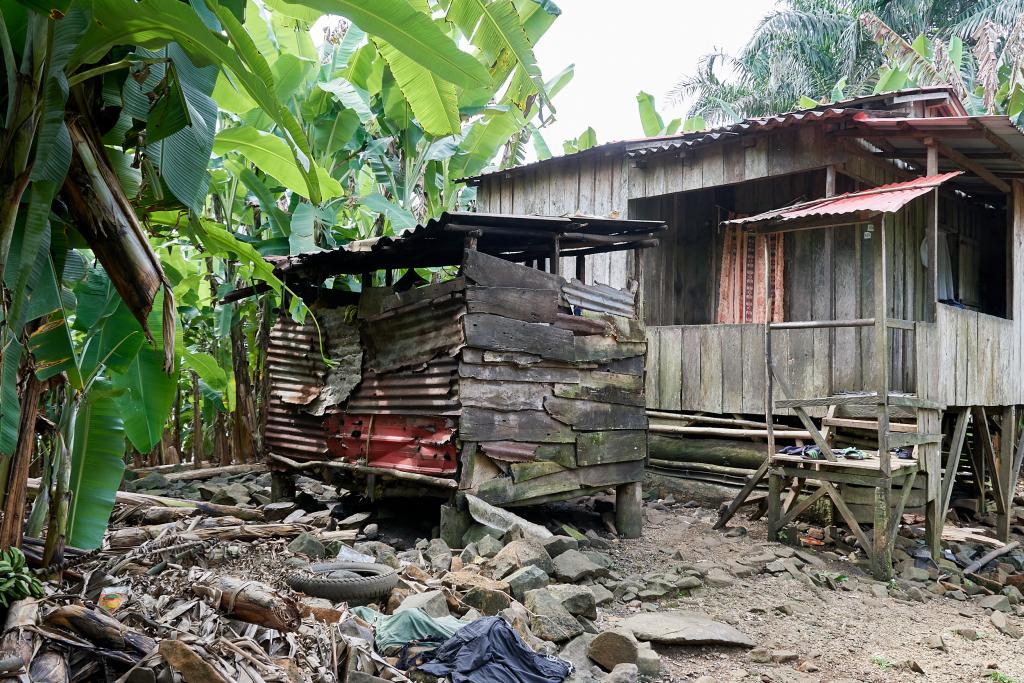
<point>848,275</point>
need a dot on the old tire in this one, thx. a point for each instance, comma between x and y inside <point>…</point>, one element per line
<point>344,581</point>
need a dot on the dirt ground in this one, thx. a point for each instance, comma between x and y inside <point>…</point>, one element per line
<point>847,635</point>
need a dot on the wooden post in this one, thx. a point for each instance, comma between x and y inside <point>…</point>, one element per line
<point>931,280</point>
<point>1007,440</point>
<point>774,504</point>
<point>930,422</point>
<point>581,269</point>
<point>282,485</point>
<point>769,401</point>
<point>555,263</point>
<point>628,509</point>
<point>881,554</point>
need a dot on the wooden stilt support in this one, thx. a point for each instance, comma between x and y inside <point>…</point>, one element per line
<point>774,504</point>
<point>629,510</point>
<point>1007,438</point>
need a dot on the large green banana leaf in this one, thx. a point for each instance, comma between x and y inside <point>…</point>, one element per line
<point>147,392</point>
<point>97,465</point>
<point>432,99</point>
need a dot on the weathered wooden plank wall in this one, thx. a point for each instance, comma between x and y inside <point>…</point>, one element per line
<point>552,404</point>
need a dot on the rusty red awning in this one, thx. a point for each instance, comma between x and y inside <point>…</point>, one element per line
<point>852,207</point>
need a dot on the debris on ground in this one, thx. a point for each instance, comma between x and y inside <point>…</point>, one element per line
<point>328,589</point>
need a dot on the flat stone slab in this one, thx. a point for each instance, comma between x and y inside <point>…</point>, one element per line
<point>676,627</point>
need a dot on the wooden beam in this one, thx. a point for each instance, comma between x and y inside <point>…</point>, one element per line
<point>973,167</point>
<point>847,515</point>
<point>956,447</point>
<point>793,513</point>
<point>808,424</point>
<point>983,434</point>
<point>1005,148</point>
<point>1007,437</point>
<point>741,497</point>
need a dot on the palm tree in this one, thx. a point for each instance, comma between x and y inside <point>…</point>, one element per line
<point>822,48</point>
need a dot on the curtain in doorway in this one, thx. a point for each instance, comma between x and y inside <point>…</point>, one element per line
<point>742,296</point>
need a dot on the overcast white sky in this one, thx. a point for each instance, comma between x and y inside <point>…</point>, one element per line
<point>620,48</point>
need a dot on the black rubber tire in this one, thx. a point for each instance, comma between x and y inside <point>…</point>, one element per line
<point>370,581</point>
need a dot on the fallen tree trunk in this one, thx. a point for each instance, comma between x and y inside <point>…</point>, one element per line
<point>980,563</point>
<point>18,643</point>
<point>204,473</point>
<point>197,507</point>
<point>132,537</point>
<point>710,451</point>
<point>250,601</point>
<point>99,629</point>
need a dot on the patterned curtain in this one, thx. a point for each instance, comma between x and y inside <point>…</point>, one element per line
<point>742,296</point>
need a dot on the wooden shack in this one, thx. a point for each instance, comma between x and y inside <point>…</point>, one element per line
<point>892,318</point>
<point>502,378</point>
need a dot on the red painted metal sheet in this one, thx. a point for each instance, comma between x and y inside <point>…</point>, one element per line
<point>425,445</point>
<point>882,199</point>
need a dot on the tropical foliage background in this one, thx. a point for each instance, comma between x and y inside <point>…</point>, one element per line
<point>811,51</point>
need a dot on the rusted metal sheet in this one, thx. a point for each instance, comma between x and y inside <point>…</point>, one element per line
<point>415,336</point>
<point>509,451</point>
<point>296,380</point>
<point>296,374</point>
<point>430,391</point>
<point>424,445</point>
<point>883,199</point>
<point>599,298</point>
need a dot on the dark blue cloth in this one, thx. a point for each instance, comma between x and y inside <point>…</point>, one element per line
<point>489,651</point>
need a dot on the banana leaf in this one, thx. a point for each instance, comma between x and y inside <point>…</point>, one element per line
<point>97,465</point>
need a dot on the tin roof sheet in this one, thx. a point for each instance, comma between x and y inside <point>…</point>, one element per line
<point>857,205</point>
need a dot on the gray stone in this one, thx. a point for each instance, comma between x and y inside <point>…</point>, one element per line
<point>957,595</point>
<point>549,619</point>
<point>775,567</point>
<point>1012,594</point>
<point>469,554</point>
<point>784,656</point>
<point>596,541</point>
<point>688,583</point>
<point>613,647</point>
<point>488,546</point>
<point>736,532</point>
<point>999,603</point>
<point>433,603</point>
<point>575,652</point>
<point>967,633</point>
<point>518,554</point>
<point>478,531</point>
<point>602,596</point>
<point>579,600</point>
<point>487,600</point>
<point>370,531</point>
<point>526,579</point>
<point>912,573</point>
<point>597,557</point>
<point>760,655</point>
<point>439,555</point>
<point>1004,626</point>
<point>623,673</point>
<point>573,566</point>
<point>648,661</point>
<point>556,545</point>
<point>309,545</point>
<point>936,642</point>
<point>381,552</point>
<point>677,627</point>
<point>719,578</point>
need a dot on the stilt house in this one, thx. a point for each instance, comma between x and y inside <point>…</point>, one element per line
<point>851,274</point>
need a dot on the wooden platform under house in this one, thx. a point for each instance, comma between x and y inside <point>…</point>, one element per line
<point>848,276</point>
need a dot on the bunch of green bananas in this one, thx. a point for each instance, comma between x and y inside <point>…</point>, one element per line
<point>16,580</point>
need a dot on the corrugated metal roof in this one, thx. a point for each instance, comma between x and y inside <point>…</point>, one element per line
<point>441,241</point>
<point>645,147</point>
<point>858,205</point>
<point>640,147</point>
